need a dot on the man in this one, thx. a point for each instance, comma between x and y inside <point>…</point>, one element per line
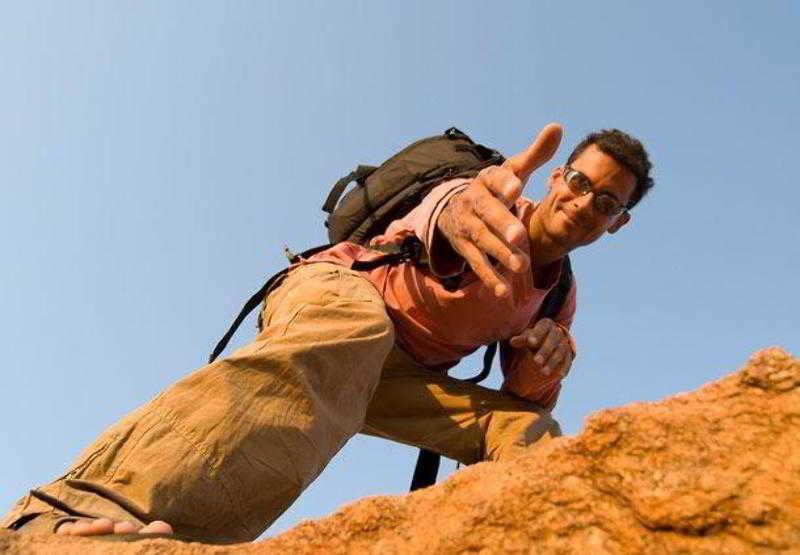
<point>222,453</point>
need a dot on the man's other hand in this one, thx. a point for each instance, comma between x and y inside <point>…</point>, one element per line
<point>550,346</point>
<point>478,223</point>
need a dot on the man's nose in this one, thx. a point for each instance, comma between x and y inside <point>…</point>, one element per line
<point>584,211</point>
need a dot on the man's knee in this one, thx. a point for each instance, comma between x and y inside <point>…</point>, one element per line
<point>510,434</point>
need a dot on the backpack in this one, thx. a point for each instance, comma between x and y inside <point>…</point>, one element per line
<point>388,192</point>
<point>391,190</point>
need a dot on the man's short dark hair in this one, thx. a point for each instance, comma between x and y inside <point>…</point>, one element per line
<point>627,151</point>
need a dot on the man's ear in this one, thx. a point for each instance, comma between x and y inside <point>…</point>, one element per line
<point>621,220</point>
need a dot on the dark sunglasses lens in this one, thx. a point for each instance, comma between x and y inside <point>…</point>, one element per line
<point>579,183</point>
<point>606,205</point>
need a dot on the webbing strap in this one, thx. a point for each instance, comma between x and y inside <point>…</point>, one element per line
<point>248,307</point>
<point>427,469</point>
<point>256,300</point>
<point>338,188</point>
<point>488,357</point>
<point>552,303</point>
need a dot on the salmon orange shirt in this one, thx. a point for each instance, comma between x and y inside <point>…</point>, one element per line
<point>439,327</point>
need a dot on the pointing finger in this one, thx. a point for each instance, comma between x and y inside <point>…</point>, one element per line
<point>539,152</point>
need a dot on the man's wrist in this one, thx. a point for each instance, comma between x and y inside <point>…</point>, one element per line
<point>443,259</point>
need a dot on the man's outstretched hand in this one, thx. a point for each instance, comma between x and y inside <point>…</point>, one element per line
<point>478,222</point>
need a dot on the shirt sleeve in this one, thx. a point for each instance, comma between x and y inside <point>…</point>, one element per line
<point>421,222</point>
<point>521,373</point>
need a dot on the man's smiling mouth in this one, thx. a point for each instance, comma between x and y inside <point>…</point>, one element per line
<point>570,219</point>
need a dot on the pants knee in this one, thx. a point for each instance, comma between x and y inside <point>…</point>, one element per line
<point>511,434</point>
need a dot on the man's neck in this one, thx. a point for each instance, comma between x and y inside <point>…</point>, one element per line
<point>544,251</point>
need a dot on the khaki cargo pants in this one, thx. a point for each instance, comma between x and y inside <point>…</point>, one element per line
<point>223,452</point>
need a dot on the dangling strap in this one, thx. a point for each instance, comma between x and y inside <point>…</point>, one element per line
<point>488,357</point>
<point>248,307</point>
<point>427,469</point>
<point>554,300</point>
<point>256,300</point>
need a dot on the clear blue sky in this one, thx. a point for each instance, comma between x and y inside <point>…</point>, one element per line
<point>156,156</point>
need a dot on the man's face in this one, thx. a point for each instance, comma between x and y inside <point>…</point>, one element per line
<point>570,219</point>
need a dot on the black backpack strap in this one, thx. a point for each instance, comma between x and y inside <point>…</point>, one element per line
<point>358,174</point>
<point>554,300</point>
<point>411,249</point>
<point>488,357</point>
<point>257,298</point>
<point>248,307</point>
<point>427,469</point>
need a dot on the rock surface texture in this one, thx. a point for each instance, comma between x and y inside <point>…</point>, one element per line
<point>712,471</point>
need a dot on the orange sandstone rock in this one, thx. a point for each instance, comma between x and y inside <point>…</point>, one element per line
<point>713,471</point>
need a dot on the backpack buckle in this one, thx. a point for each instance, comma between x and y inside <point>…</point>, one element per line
<point>412,248</point>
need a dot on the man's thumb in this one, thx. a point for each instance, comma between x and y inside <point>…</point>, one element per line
<point>539,152</point>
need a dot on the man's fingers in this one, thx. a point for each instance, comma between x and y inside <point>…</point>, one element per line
<point>490,232</point>
<point>157,527</point>
<point>65,528</point>
<point>478,225</point>
<point>497,217</point>
<point>532,337</point>
<point>103,526</point>
<point>539,332</point>
<point>556,361</point>
<point>125,527</point>
<point>502,183</point>
<point>490,244</point>
<point>549,344</point>
<point>540,151</point>
<point>519,341</point>
<point>482,268</point>
<point>81,528</point>
<point>87,527</point>
<point>566,364</point>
